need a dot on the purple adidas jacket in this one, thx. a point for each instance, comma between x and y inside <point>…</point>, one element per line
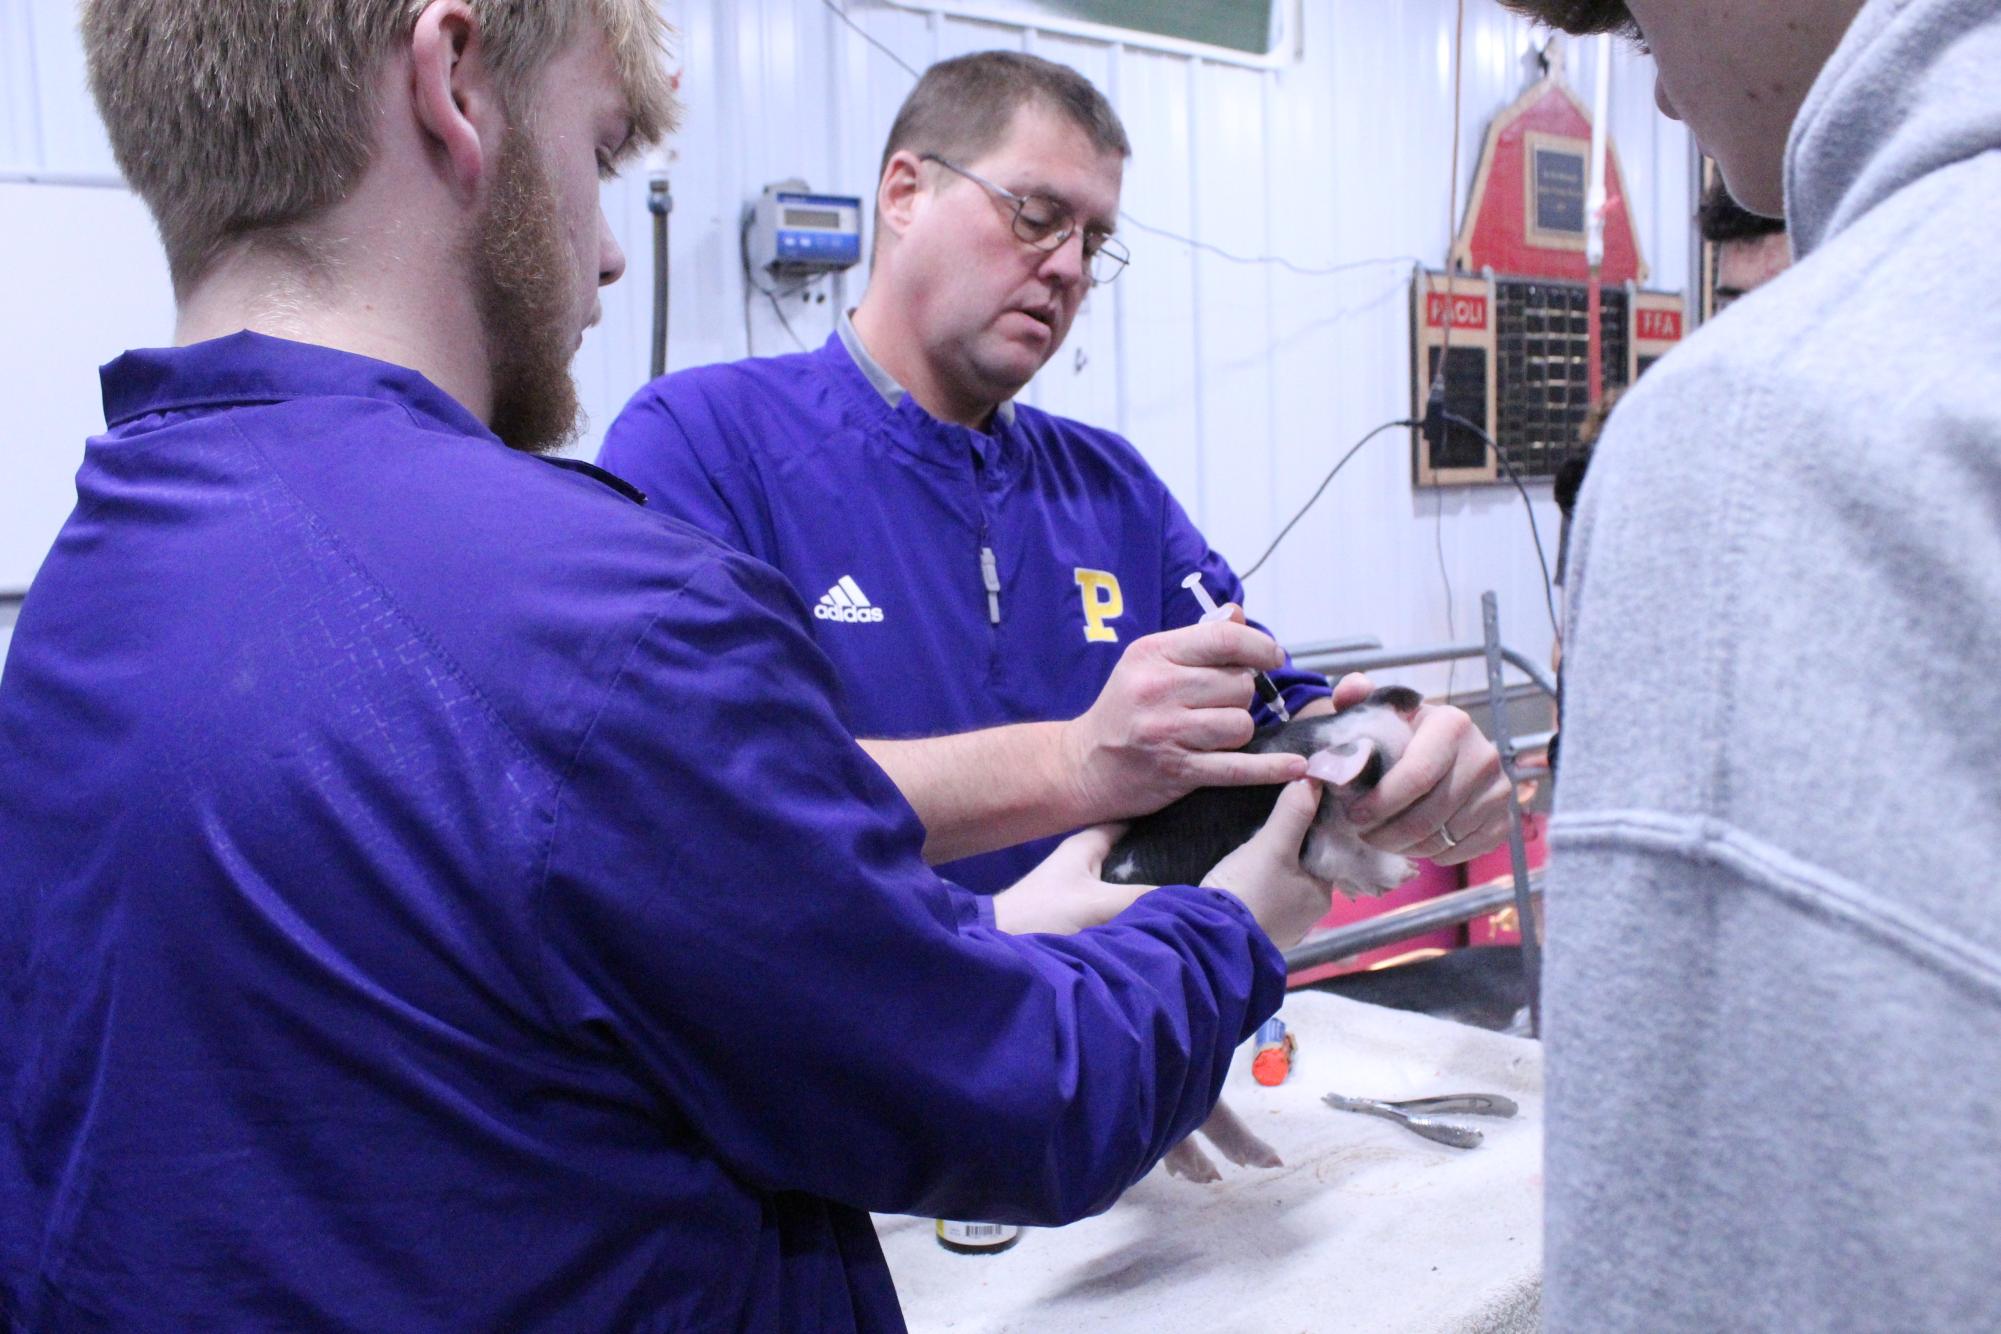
<point>801,462</point>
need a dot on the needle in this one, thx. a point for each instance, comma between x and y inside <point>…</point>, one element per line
<point>1211,612</point>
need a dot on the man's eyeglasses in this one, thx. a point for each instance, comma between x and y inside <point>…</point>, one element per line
<point>1046,224</point>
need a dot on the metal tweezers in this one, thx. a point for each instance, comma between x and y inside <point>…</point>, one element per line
<point>1414,1114</point>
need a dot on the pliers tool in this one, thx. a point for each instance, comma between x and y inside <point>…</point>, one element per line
<point>1417,1115</point>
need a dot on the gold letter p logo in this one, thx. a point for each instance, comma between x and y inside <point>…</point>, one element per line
<point>1102,602</point>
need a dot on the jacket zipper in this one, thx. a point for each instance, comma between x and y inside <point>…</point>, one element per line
<point>989,566</point>
<point>990,577</point>
<point>990,583</point>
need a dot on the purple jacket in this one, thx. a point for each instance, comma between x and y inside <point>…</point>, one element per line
<point>800,462</point>
<point>439,893</point>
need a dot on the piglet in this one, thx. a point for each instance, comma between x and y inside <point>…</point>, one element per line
<point>1347,751</point>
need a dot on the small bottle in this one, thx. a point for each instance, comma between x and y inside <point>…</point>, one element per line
<point>1272,1063</point>
<point>977,1238</point>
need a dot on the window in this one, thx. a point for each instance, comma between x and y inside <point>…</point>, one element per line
<point>1263,32</point>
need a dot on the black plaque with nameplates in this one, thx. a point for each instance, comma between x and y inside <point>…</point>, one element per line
<point>1465,396</point>
<point>1560,187</point>
<point>1520,368</point>
<point>1544,338</point>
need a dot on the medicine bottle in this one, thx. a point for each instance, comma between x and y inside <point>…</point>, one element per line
<point>977,1238</point>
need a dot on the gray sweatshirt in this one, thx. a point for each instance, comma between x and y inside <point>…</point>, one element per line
<point>1774,969</point>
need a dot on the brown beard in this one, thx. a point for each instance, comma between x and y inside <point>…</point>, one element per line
<point>522,263</point>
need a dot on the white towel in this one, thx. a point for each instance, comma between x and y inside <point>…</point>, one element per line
<point>1367,1227</point>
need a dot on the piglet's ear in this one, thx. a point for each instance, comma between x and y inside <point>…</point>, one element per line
<point>1340,765</point>
<point>1401,698</point>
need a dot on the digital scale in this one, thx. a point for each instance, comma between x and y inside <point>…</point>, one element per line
<point>795,233</point>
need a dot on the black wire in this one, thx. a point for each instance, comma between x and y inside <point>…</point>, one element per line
<point>1454,419</point>
<point>842,15</point>
<point>1325,482</point>
<point>751,284</point>
<point>780,311</point>
<point>1548,601</point>
<point>1279,260</point>
<point>1445,577</point>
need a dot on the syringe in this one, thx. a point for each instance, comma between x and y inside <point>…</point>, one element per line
<point>1267,692</point>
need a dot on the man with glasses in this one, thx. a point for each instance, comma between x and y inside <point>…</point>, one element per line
<point>1000,587</point>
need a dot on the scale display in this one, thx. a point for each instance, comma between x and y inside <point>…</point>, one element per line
<point>795,233</point>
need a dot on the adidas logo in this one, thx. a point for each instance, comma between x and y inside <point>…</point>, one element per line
<point>845,601</point>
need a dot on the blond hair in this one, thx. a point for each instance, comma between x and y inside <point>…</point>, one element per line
<point>235,118</point>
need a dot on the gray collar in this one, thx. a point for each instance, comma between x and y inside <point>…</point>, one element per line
<point>885,383</point>
<point>1907,95</point>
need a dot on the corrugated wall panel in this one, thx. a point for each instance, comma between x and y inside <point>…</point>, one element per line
<point>1081,380</point>
<point>73,139</point>
<point>20,104</point>
<point>72,308</point>
<point>1310,380</point>
<point>1230,165</point>
<point>1159,361</point>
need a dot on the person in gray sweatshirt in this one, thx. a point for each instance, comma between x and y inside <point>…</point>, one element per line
<point>1774,968</point>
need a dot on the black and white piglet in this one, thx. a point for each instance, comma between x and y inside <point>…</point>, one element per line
<point>1347,751</point>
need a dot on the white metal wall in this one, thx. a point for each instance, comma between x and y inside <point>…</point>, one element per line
<point>81,276</point>
<point>1241,383</point>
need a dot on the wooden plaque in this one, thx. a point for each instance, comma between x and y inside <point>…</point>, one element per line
<point>1470,384</point>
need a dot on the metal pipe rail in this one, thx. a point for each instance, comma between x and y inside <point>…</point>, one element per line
<point>1413,919</point>
<point>1495,654</point>
<point>1368,661</point>
<point>1306,655</point>
<point>1463,906</point>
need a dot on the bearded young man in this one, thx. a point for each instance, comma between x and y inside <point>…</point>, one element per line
<point>437,892</point>
<point>1774,983</point>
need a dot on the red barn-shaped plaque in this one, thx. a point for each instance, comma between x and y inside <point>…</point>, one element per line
<point>1527,215</point>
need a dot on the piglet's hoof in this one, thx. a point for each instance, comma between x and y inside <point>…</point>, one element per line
<point>1233,1139</point>
<point>1187,1161</point>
